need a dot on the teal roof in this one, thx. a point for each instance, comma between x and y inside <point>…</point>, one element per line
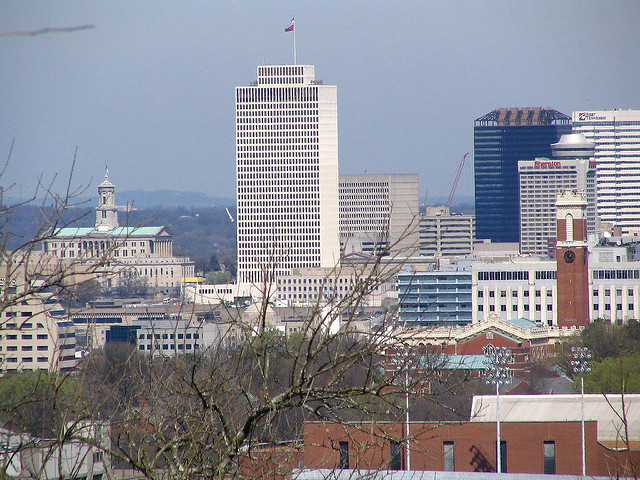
<point>465,362</point>
<point>522,323</point>
<point>116,232</point>
<point>453,362</point>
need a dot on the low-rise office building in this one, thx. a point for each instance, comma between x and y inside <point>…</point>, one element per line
<point>436,297</point>
<point>168,337</point>
<point>94,321</point>
<point>374,285</point>
<point>35,330</point>
<point>522,287</point>
<point>444,234</point>
<point>551,445</point>
<point>378,213</point>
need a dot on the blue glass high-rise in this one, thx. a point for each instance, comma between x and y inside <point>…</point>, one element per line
<point>501,138</point>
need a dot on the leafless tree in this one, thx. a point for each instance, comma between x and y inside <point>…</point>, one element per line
<point>237,407</point>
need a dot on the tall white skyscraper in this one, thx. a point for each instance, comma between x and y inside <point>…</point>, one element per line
<point>287,173</point>
<point>616,134</point>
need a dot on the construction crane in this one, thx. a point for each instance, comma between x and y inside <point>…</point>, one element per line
<point>457,178</point>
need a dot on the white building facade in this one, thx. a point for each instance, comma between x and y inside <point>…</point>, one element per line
<point>571,168</point>
<point>287,173</point>
<point>369,287</point>
<point>119,256</point>
<point>35,331</point>
<point>443,234</point>
<point>528,289</point>
<point>379,213</point>
<point>616,134</point>
<point>173,337</point>
<point>540,181</point>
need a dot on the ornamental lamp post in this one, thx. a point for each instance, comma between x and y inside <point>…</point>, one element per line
<point>497,373</point>
<point>580,362</point>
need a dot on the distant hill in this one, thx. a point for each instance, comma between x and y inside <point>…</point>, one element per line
<point>171,198</point>
<point>460,204</point>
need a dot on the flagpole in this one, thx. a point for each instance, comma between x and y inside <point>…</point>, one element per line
<point>292,28</point>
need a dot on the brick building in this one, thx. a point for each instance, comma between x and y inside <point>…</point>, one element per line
<point>451,446</point>
<point>539,434</point>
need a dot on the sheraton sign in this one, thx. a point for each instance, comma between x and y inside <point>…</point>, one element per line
<point>539,163</point>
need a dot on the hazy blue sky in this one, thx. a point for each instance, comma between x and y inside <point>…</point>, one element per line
<point>149,90</point>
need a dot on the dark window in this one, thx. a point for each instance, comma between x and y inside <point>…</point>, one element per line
<point>344,455</point>
<point>396,456</point>
<point>549,457</point>
<point>503,457</point>
<point>449,463</point>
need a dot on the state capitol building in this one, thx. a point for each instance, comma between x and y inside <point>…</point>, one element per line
<point>117,254</point>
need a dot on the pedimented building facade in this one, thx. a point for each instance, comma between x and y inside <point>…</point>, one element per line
<point>120,256</point>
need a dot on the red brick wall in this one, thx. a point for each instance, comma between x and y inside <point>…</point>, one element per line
<point>573,288</point>
<point>474,445</point>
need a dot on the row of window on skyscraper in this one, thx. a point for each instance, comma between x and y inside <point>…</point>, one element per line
<point>282,94</point>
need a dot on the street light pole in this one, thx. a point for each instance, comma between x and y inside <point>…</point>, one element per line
<point>497,373</point>
<point>581,357</point>
<point>401,360</point>
<point>406,414</point>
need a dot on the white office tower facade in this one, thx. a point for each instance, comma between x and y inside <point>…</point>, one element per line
<point>287,174</point>
<point>616,134</point>
<point>443,234</point>
<point>571,168</point>
<point>379,214</point>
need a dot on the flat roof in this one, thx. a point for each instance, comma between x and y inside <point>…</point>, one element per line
<point>116,232</point>
<point>605,409</point>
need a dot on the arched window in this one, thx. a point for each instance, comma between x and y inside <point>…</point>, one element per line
<point>569,227</point>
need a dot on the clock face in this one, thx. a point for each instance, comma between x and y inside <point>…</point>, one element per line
<point>569,256</point>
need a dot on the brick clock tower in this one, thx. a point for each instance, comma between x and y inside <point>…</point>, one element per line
<point>572,259</point>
